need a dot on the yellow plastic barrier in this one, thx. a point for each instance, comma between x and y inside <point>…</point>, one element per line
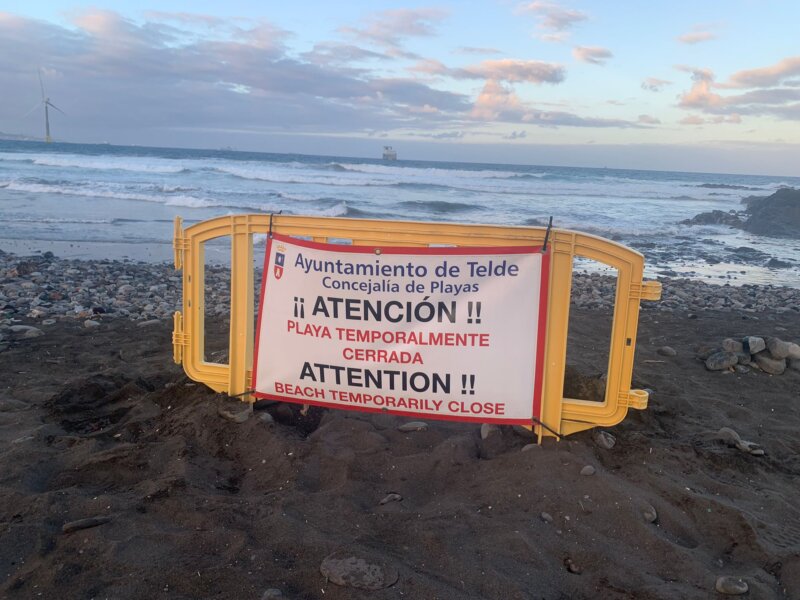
<point>560,416</point>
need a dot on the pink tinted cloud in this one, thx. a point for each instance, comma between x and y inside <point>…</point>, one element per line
<point>695,37</point>
<point>766,76</point>
<point>594,55</point>
<point>554,17</point>
<point>389,27</point>
<point>504,69</point>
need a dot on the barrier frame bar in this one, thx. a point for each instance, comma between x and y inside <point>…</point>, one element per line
<point>562,416</point>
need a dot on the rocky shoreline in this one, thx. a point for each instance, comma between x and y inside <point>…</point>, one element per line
<point>42,289</point>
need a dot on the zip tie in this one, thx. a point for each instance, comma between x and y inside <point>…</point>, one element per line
<point>272,214</point>
<point>547,234</point>
<point>242,394</point>
<point>535,420</point>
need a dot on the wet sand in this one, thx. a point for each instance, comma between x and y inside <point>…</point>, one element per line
<point>98,422</point>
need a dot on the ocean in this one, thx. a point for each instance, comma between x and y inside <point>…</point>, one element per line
<point>95,201</point>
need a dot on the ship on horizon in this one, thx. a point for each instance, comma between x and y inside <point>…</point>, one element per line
<point>389,153</point>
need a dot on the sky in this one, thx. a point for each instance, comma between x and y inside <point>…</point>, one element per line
<point>697,86</point>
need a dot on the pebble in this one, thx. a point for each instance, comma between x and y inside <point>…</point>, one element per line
<point>546,517</point>
<point>572,567</point>
<point>649,514</point>
<point>413,426</point>
<point>527,447</point>
<point>239,415</point>
<point>267,418</point>
<point>731,586</point>
<point>604,439</point>
<point>588,470</point>
<point>89,323</point>
<point>272,594</point>
<point>391,497</point>
<point>84,524</point>
<point>488,429</point>
<point>348,570</point>
<point>49,322</point>
<point>667,351</point>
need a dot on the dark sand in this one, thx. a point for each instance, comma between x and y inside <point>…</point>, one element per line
<point>99,422</point>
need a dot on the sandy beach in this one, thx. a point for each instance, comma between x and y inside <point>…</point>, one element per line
<point>97,423</point>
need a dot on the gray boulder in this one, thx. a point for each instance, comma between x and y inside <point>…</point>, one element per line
<point>721,361</point>
<point>753,344</point>
<point>778,348</point>
<point>731,345</point>
<point>768,364</point>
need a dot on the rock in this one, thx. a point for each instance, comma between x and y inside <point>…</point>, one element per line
<point>391,497</point>
<point>753,344</point>
<point>649,514</point>
<point>49,322</point>
<point>604,439</point>
<point>731,345</point>
<point>741,369</point>
<point>26,330</point>
<point>750,448</point>
<point>714,217</point>
<point>149,323</point>
<point>731,586</point>
<point>89,323</point>
<point>237,414</point>
<point>794,352</point>
<point>588,470</point>
<point>744,358</point>
<point>126,289</point>
<point>528,447</point>
<point>572,567</point>
<point>488,429</point>
<point>413,426</point>
<point>729,436</point>
<point>266,418</point>
<point>778,348</point>
<point>272,594</point>
<point>721,361</point>
<point>346,569</point>
<point>768,364</point>
<point>777,215</point>
<point>667,351</point>
<point>546,517</point>
<point>84,524</point>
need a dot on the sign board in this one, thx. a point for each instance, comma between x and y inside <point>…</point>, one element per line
<point>437,333</point>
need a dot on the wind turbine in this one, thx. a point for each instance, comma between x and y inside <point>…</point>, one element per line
<point>47,104</point>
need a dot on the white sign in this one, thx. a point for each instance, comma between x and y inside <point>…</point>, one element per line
<point>447,333</point>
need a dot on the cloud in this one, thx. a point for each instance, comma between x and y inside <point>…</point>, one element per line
<point>516,135</point>
<point>505,69</point>
<point>335,53</point>
<point>767,76</point>
<point>389,28</point>
<point>592,54</point>
<point>696,120</point>
<point>648,120</point>
<point>780,102</point>
<point>497,103</point>
<point>654,84</point>
<point>475,50</point>
<point>554,19</point>
<point>695,37</point>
